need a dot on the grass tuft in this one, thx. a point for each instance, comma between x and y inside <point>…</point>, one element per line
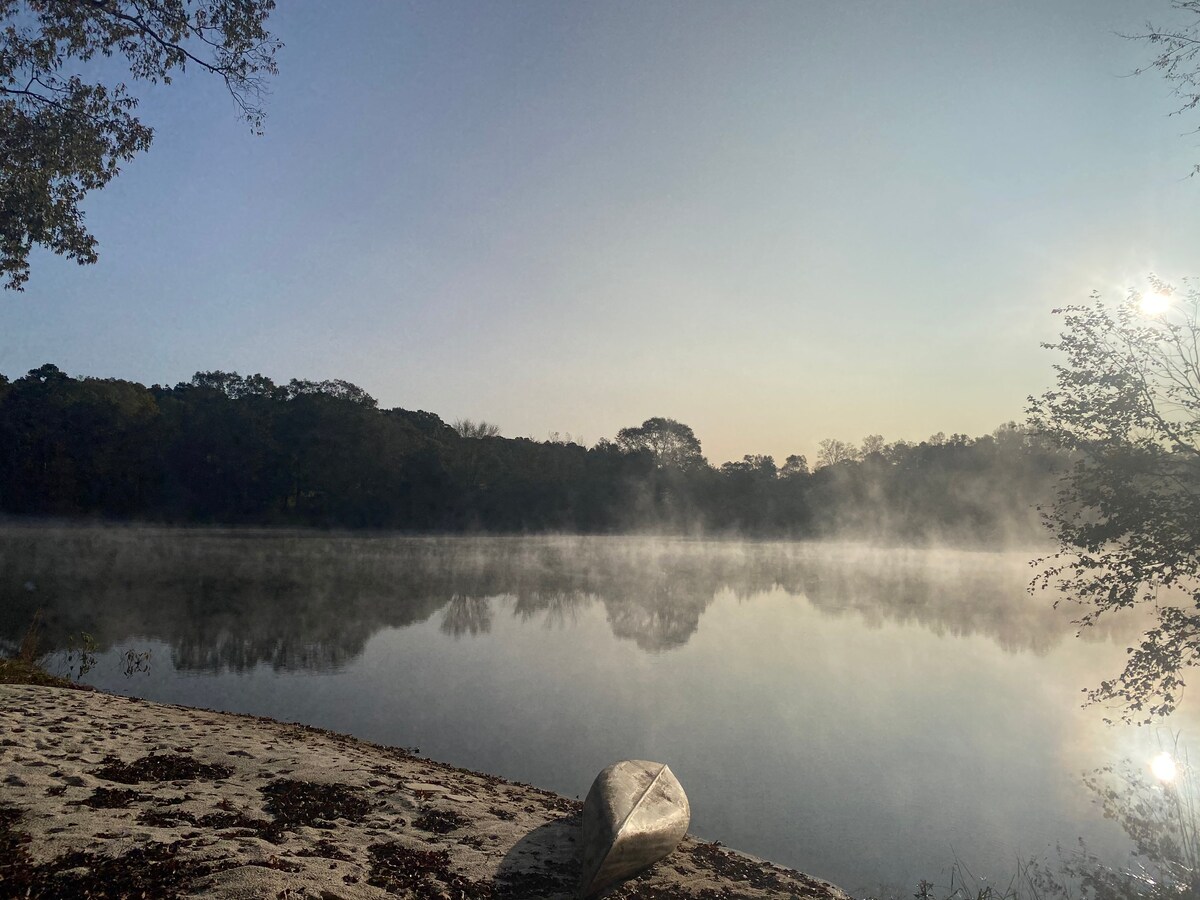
<point>19,671</point>
<point>24,669</point>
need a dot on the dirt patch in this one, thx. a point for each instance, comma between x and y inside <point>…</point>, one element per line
<point>408,872</point>
<point>111,798</point>
<point>401,870</point>
<point>292,804</point>
<point>217,821</point>
<point>159,767</point>
<point>534,884</point>
<point>298,803</point>
<point>168,819</point>
<point>13,856</point>
<point>324,849</point>
<point>754,874</point>
<point>152,870</point>
<point>440,821</point>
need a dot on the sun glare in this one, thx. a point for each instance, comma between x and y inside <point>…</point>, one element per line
<point>1154,302</point>
<point>1163,767</point>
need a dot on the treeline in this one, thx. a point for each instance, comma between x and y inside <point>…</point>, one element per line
<point>230,449</point>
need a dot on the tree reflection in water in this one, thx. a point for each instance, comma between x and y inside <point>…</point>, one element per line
<point>231,600</point>
<point>1157,814</point>
<point>467,615</point>
<point>557,609</point>
<point>1160,818</point>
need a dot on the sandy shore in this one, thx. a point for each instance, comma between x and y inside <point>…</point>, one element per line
<point>106,796</point>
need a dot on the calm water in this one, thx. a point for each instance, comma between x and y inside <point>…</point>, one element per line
<point>864,715</point>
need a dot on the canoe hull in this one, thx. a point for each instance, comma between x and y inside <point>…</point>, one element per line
<point>635,814</point>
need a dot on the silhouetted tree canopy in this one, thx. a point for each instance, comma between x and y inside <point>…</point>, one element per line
<point>671,443</point>
<point>794,465</point>
<point>1127,517</point>
<point>831,452</point>
<point>62,135</point>
<point>469,428</point>
<point>230,448</point>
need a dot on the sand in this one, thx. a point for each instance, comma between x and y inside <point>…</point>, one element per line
<point>108,796</point>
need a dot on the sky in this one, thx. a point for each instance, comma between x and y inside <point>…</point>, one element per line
<point>776,222</point>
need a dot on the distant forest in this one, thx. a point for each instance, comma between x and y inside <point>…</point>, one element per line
<point>241,450</point>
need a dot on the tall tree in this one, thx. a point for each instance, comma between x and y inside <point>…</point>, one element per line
<point>872,443</point>
<point>671,443</point>
<point>831,452</point>
<point>1127,517</point>
<point>794,466</point>
<point>469,428</point>
<point>62,135</point>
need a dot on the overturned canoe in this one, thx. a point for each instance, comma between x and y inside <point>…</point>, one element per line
<point>635,814</point>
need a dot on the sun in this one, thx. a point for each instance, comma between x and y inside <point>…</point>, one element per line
<point>1154,302</point>
<point>1163,767</point>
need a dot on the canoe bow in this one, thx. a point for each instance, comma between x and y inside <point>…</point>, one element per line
<point>635,814</point>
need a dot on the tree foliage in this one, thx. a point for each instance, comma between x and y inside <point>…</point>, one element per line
<point>833,452</point>
<point>1127,517</point>
<point>672,444</point>
<point>469,428</point>
<point>1176,50</point>
<point>63,135</point>
<point>230,448</point>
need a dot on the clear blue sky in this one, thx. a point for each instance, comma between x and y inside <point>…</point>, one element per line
<point>776,222</point>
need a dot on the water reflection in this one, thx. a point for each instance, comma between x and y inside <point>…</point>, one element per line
<point>859,714</point>
<point>1157,806</point>
<point>467,615</point>
<point>234,600</point>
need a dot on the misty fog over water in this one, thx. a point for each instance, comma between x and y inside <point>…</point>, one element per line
<point>863,714</point>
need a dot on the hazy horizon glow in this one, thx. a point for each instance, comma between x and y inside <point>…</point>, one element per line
<point>776,223</point>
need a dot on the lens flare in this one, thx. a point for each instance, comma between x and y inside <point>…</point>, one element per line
<point>1163,767</point>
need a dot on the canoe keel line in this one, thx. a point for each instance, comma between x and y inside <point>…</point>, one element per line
<point>635,814</point>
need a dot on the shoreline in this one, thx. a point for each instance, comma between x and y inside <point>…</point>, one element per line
<point>1034,542</point>
<point>105,795</point>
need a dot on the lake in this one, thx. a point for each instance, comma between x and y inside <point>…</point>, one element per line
<point>867,715</point>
